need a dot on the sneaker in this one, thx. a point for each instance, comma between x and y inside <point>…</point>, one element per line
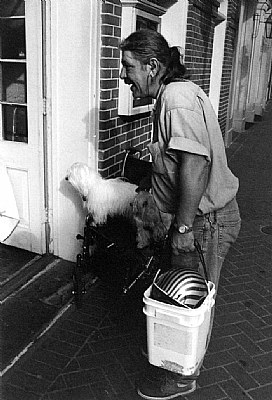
<point>164,386</point>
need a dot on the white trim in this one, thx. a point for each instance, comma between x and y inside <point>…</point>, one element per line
<point>128,25</point>
<point>74,112</point>
<point>174,24</point>
<point>145,5</point>
<point>94,83</point>
<point>218,58</point>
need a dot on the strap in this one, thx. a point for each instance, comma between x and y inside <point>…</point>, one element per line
<point>201,256</point>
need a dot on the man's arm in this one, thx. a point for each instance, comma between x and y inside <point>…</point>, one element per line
<point>193,175</point>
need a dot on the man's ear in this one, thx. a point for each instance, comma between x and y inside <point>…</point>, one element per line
<point>154,65</point>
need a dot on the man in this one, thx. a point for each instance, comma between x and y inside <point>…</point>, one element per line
<point>190,179</point>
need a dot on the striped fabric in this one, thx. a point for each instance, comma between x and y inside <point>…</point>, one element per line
<point>186,287</point>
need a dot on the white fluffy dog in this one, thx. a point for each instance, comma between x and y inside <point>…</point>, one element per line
<point>104,197</point>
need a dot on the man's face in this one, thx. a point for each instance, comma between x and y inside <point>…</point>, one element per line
<point>135,74</point>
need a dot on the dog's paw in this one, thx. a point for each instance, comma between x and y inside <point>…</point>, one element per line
<point>159,233</point>
<point>143,238</point>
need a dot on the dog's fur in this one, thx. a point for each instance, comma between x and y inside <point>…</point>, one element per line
<point>104,197</point>
<point>152,227</point>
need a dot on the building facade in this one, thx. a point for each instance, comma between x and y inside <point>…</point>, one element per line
<point>62,100</point>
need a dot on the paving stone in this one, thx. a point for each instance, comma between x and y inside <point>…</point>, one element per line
<point>212,376</point>
<point>50,358</point>
<point>262,393</point>
<point>253,319</point>
<point>79,378</point>
<point>222,331</point>
<point>266,345</point>
<point>117,378</point>
<point>40,370</point>
<point>244,359</point>
<point>213,392</point>
<point>96,360</point>
<point>241,376</point>
<point>69,337</point>
<point>264,360</point>
<point>247,344</point>
<point>10,392</point>
<point>218,359</point>
<point>250,331</point>
<point>59,347</point>
<point>233,390</point>
<point>216,345</point>
<point>59,384</point>
<point>79,393</point>
<point>230,318</point>
<point>263,376</point>
<point>28,382</point>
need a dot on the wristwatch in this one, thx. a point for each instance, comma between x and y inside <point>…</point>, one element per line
<point>183,228</point>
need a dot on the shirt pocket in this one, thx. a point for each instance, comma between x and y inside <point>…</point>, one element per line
<point>157,151</point>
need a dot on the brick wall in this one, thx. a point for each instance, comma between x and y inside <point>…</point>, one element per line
<point>118,133</point>
<point>228,63</point>
<point>115,133</point>
<point>199,41</point>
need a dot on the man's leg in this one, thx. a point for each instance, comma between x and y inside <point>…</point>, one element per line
<point>215,232</point>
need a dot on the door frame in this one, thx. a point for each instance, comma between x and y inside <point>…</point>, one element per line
<point>57,154</point>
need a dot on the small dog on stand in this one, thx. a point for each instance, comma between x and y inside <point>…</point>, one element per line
<point>112,197</point>
<point>103,197</point>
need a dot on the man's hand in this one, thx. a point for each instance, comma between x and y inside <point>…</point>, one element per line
<point>182,243</point>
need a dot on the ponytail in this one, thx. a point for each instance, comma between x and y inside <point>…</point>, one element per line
<point>175,69</point>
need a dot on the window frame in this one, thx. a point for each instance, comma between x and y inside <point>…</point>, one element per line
<point>6,61</point>
<point>130,12</point>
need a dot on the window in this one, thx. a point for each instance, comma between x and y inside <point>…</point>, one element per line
<point>13,92</point>
<point>135,15</point>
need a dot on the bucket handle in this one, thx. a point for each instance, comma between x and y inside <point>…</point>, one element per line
<point>201,257</point>
<point>202,260</point>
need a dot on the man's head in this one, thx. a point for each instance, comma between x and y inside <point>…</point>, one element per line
<point>145,56</point>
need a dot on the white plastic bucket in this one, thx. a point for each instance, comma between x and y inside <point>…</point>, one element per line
<point>177,336</point>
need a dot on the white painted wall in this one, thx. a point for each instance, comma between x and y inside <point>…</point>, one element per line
<point>218,58</point>
<point>75,44</point>
<point>174,23</point>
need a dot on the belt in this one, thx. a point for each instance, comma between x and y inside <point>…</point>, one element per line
<point>214,213</point>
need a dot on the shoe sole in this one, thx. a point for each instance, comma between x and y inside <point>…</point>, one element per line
<point>171,396</point>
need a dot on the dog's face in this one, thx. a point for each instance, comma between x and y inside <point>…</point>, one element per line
<point>144,207</point>
<point>81,178</point>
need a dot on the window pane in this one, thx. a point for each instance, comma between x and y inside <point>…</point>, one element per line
<point>14,123</point>
<point>12,36</point>
<point>145,23</point>
<point>13,83</point>
<point>9,8</point>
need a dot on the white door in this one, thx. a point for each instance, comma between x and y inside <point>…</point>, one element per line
<point>21,116</point>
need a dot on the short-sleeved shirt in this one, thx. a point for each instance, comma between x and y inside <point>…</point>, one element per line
<point>184,120</point>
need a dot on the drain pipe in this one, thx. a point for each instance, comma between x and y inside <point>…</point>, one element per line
<point>45,132</point>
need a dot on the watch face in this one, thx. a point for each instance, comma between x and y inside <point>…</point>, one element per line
<point>182,228</point>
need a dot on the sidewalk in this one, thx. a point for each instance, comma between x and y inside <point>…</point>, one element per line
<point>93,353</point>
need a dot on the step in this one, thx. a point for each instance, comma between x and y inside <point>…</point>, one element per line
<point>28,311</point>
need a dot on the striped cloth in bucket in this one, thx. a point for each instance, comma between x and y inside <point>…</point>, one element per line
<point>184,286</point>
